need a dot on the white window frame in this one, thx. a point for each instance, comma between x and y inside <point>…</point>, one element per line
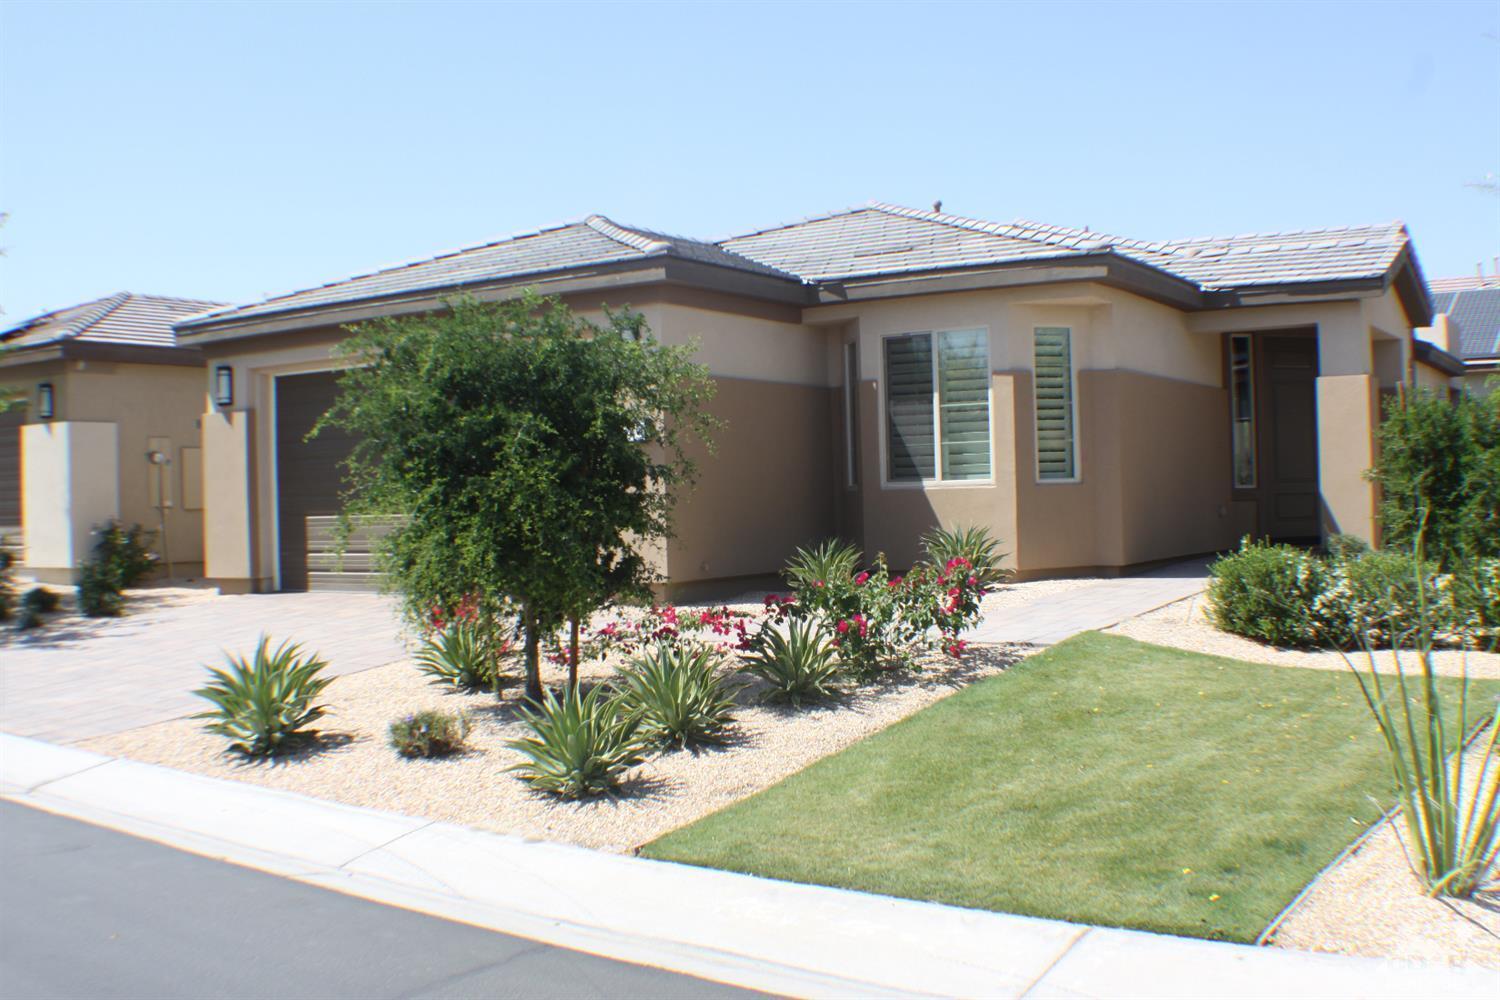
<point>851,414</point>
<point>1036,427</point>
<point>939,483</point>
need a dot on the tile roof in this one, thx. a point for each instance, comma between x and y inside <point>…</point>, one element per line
<point>122,318</point>
<point>1475,311</point>
<point>594,241</point>
<point>883,239</point>
<point>1464,283</point>
<point>875,239</point>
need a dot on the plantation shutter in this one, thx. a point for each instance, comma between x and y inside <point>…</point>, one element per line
<point>964,399</point>
<point>909,417</point>
<point>1055,441</point>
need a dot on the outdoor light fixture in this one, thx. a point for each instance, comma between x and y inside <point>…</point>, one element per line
<point>224,385</point>
<point>44,401</point>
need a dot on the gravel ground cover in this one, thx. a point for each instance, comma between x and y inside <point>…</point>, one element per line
<point>1185,625</point>
<point>353,762</point>
<point>1372,904</point>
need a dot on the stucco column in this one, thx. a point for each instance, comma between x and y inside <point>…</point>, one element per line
<point>228,500</point>
<point>1348,415</point>
<point>70,484</point>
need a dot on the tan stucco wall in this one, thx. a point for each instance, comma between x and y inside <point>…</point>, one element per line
<point>148,404</point>
<point>1348,410</point>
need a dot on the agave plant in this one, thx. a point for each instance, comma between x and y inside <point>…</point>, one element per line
<point>464,655</point>
<point>678,695</point>
<point>799,664</point>
<point>973,544</point>
<point>263,702</point>
<point>579,745</point>
<point>830,562</point>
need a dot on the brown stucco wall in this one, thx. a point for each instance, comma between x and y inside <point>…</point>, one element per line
<point>766,489</point>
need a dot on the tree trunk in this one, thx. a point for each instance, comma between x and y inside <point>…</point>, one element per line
<point>573,655</point>
<point>533,656</point>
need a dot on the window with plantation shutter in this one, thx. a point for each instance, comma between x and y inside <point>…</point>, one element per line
<point>1056,439</point>
<point>937,402</point>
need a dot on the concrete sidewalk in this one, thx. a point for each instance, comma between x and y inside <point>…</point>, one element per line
<point>1098,605</point>
<point>778,937</point>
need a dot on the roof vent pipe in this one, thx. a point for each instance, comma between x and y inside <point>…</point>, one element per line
<point>937,207</point>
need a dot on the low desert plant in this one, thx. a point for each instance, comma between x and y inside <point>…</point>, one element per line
<point>799,663</point>
<point>41,600</point>
<point>1267,592</point>
<point>464,655</point>
<point>678,695</point>
<point>1452,821</point>
<point>264,702</point>
<point>830,563</point>
<point>580,744</point>
<point>429,733</point>
<point>125,553</point>
<point>974,545</point>
<point>99,594</point>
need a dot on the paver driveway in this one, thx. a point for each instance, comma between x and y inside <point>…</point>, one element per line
<point>75,681</point>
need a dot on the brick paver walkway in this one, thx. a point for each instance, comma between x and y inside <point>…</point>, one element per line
<point>73,682</point>
<point>1098,605</point>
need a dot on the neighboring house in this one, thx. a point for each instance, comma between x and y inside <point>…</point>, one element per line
<point>1468,325</point>
<point>1099,403</point>
<point>106,384</point>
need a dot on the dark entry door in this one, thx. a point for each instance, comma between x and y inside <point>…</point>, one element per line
<point>1290,502</point>
<point>309,475</point>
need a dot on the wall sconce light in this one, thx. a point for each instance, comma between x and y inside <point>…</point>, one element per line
<point>224,385</point>
<point>45,401</point>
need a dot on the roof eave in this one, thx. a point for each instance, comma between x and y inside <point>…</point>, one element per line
<point>85,350</point>
<point>633,273</point>
<point>1430,354</point>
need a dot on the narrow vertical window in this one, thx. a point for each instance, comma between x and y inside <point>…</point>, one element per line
<point>851,415</point>
<point>964,401</point>
<point>1056,434</point>
<point>910,429</point>
<point>1242,409</point>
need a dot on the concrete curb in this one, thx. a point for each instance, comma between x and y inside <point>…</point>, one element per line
<point>778,937</point>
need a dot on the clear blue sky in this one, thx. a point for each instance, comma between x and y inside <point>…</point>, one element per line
<point>228,151</point>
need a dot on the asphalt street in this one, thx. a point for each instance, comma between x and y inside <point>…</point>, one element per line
<point>90,912</point>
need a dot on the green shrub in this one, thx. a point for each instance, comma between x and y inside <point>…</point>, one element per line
<point>678,695</point>
<point>429,733</point>
<point>1452,822</point>
<point>800,663</point>
<point>580,745</point>
<point>99,593</point>
<point>1374,596</point>
<point>41,600</point>
<point>974,545</point>
<point>262,704</point>
<point>7,586</point>
<point>464,655</point>
<point>1475,599</point>
<point>1439,475</point>
<point>125,553</point>
<point>1267,592</point>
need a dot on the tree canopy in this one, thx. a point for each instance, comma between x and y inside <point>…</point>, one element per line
<point>529,451</point>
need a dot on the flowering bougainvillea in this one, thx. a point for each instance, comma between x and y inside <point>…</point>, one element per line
<point>721,629</point>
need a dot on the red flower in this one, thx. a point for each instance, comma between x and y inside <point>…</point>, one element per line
<point>895,581</point>
<point>818,584</point>
<point>973,581</point>
<point>859,581</point>
<point>843,626</point>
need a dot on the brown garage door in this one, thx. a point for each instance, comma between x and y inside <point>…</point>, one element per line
<point>10,471</point>
<point>309,474</point>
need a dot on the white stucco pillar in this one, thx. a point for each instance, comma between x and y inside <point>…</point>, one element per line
<point>70,484</point>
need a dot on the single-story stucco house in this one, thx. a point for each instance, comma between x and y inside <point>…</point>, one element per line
<point>106,385</point>
<point>1099,403</point>
<point>1467,324</point>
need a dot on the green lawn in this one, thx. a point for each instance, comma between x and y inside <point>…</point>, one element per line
<point>1104,781</point>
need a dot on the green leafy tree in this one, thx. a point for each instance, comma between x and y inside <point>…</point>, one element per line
<point>1439,475</point>
<point>530,452</point>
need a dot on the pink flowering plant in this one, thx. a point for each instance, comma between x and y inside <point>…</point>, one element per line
<point>880,620</point>
<point>721,630</point>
